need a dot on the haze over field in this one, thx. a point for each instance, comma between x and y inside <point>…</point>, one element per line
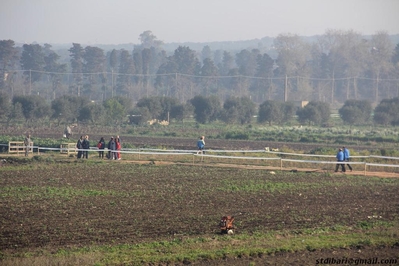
<point>122,21</point>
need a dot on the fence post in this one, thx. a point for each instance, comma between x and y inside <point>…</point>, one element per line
<point>365,169</point>
<point>281,164</point>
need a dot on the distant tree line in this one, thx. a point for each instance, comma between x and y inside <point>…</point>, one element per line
<point>235,110</point>
<point>340,66</point>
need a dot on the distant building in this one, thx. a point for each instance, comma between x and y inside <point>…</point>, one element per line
<point>300,104</point>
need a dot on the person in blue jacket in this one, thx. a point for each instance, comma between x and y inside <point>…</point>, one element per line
<point>346,157</point>
<point>340,158</point>
<point>201,145</point>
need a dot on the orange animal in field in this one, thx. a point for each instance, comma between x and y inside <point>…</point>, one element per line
<point>226,224</point>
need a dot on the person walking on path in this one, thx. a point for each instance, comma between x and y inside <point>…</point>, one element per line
<point>340,158</point>
<point>80,147</point>
<point>27,142</point>
<point>86,147</point>
<point>101,147</point>
<point>346,157</point>
<point>201,145</point>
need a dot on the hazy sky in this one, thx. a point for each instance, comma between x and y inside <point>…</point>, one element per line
<point>122,21</point>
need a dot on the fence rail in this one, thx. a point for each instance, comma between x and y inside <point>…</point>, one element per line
<point>68,148</point>
<point>271,157</point>
<point>19,147</point>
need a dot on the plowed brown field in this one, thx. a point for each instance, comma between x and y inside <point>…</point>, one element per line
<point>50,206</point>
<point>58,205</point>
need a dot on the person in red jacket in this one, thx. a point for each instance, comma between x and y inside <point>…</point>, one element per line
<point>118,148</point>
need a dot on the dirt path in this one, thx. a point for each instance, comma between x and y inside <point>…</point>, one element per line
<point>268,168</point>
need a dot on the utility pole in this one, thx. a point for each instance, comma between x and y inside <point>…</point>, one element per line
<point>376,88</point>
<point>286,89</point>
<point>30,81</point>
<point>176,85</point>
<point>112,83</point>
<point>332,88</point>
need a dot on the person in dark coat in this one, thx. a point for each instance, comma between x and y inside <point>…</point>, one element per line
<point>101,147</point>
<point>79,146</point>
<point>340,158</point>
<point>86,147</point>
<point>111,148</point>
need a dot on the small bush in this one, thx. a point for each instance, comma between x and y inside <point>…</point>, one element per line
<point>237,135</point>
<point>170,134</point>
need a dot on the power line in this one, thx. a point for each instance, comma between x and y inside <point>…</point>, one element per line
<point>200,76</point>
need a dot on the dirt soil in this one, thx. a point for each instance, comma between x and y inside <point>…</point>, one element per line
<point>81,204</point>
<point>31,223</point>
<point>315,257</point>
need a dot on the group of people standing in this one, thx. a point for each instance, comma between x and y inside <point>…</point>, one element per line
<point>114,147</point>
<point>83,146</point>
<point>343,156</point>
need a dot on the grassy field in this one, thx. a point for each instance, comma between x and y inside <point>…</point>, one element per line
<point>47,134</point>
<point>69,212</point>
